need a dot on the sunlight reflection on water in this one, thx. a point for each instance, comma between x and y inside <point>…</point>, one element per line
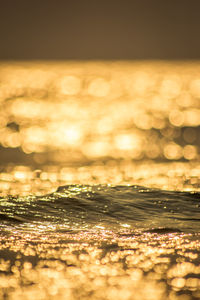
<point>102,110</point>
<point>99,122</point>
<point>118,123</point>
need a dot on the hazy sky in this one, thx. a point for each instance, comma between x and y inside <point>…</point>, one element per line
<point>99,29</point>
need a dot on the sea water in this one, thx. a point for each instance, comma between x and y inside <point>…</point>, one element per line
<point>99,182</point>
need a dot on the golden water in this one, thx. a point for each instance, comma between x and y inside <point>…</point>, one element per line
<point>116,123</point>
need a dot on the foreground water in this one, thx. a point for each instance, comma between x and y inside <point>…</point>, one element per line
<point>99,182</point>
<point>101,242</point>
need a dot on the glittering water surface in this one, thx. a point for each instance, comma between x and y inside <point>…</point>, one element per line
<point>99,182</point>
<point>85,207</point>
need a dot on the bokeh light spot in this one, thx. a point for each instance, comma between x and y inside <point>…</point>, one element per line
<point>99,87</point>
<point>70,85</point>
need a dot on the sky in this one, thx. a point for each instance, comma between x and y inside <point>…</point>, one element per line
<point>99,29</point>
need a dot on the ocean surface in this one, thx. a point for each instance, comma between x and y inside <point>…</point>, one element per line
<point>100,180</point>
<point>80,207</point>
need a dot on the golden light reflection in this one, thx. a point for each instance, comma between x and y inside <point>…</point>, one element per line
<point>176,118</point>
<point>100,110</point>
<point>122,267</point>
<point>71,135</point>
<point>190,152</point>
<point>99,87</point>
<point>170,86</point>
<point>119,123</point>
<point>127,142</point>
<point>24,180</point>
<point>195,87</point>
<point>172,151</point>
<point>70,85</point>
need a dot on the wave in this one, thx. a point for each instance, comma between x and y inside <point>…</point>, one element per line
<point>107,206</point>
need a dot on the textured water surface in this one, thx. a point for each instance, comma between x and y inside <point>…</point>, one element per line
<point>102,242</point>
<point>100,180</point>
<point>84,206</point>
